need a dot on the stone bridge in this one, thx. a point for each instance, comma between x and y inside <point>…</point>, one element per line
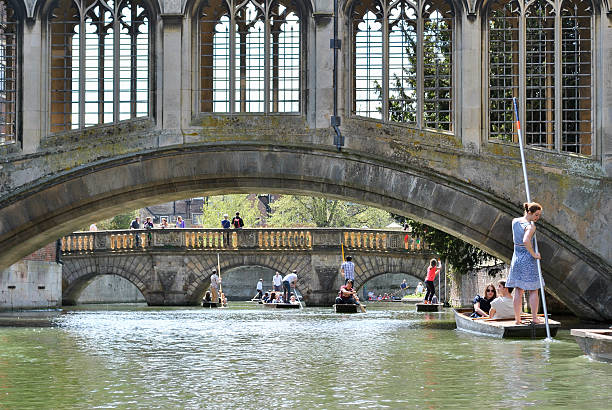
<point>56,180</point>
<point>173,266</point>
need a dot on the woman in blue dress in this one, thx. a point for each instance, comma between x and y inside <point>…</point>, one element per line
<point>523,268</point>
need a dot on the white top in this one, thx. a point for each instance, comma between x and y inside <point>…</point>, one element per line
<point>277,279</point>
<point>419,288</point>
<point>260,285</point>
<point>504,308</point>
<point>292,277</point>
<point>214,281</point>
<point>93,227</point>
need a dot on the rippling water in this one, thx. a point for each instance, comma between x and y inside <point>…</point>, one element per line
<point>247,357</point>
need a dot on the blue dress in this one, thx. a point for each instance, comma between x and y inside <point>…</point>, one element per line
<point>523,268</point>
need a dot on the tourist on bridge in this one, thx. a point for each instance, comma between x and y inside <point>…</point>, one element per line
<point>277,282</point>
<point>180,223</point>
<point>482,304</point>
<point>164,223</point>
<point>347,294</point>
<point>433,270</point>
<point>214,285</point>
<point>289,281</point>
<point>523,268</point>
<point>135,224</point>
<point>237,222</point>
<point>259,289</point>
<point>148,224</point>
<point>225,223</point>
<point>503,306</point>
<point>347,269</point>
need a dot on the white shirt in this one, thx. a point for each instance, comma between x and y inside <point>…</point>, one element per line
<point>277,280</point>
<point>93,227</point>
<point>504,308</point>
<point>290,278</point>
<point>214,281</point>
<point>260,285</point>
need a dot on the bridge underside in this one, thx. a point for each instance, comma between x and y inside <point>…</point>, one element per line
<point>42,213</point>
<point>181,279</point>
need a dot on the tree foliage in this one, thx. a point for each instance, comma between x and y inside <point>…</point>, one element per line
<point>293,210</point>
<point>121,221</point>
<point>216,206</point>
<point>462,256</point>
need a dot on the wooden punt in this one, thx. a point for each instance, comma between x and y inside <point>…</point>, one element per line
<point>503,328</point>
<point>430,307</point>
<point>596,343</point>
<point>282,305</point>
<point>346,308</point>
<point>210,304</point>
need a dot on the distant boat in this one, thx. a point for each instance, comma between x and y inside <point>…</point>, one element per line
<point>596,343</point>
<point>282,305</point>
<point>503,328</point>
<point>429,307</point>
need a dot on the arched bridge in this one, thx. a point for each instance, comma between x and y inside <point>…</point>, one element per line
<point>69,157</point>
<point>173,266</point>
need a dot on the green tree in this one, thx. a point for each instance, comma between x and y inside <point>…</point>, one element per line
<point>121,221</point>
<point>216,206</point>
<point>462,256</point>
<point>293,210</point>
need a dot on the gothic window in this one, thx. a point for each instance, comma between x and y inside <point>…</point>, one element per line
<point>250,56</point>
<point>8,73</point>
<point>99,62</point>
<point>540,52</point>
<point>402,61</point>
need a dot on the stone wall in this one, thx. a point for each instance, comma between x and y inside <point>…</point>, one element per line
<point>32,283</point>
<point>111,289</point>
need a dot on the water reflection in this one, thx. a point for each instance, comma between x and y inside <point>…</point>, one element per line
<point>253,358</point>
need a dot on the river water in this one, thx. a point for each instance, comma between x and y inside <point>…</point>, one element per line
<point>117,356</point>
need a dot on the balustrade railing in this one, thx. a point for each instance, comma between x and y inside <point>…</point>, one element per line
<point>300,239</point>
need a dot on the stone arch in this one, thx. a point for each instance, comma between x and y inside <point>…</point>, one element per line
<point>579,277</point>
<point>376,266</point>
<point>77,273</point>
<point>282,263</point>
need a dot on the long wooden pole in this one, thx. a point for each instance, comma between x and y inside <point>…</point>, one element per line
<point>220,281</point>
<point>535,241</point>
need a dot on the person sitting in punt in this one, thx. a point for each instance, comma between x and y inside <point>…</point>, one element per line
<point>266,297</point>
<point>293,300</point>
<point>482,304</point>
<point>207,297</point>
<point>347,294</point>
<point>502,307</point>
<point>271,298</point>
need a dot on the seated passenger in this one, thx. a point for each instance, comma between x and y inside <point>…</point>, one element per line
<point>347,294</point>
<point>207,297</point>
<point>482,305</point>
<point>266,297</point>
<point>272,298</point>
<point>502,307</point>
<point>293,300</point>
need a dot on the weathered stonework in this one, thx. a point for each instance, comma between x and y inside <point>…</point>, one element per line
<point>459,182</point>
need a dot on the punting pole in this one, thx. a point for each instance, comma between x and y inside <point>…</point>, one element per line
<point>535,241</point>
<point>220,281</point>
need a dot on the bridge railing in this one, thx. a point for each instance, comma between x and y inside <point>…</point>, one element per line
<point>264,239</point>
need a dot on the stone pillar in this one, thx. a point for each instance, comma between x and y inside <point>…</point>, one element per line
<point>31,98</point>
<point>603,129</point>
<point>323,61</point>
<point>469,82</point>
<point>171,78</point>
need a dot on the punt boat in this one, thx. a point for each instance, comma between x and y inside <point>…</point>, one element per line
<point>282,305</point>
<point>346,308</point>
<point>503,328</point>
<point>429,307</point>
<point>209,304</point>
<point>596,343</point>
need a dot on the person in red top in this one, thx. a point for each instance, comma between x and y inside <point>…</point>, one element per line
<point>433,270</point>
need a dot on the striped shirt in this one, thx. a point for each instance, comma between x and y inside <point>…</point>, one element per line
<point>348,268</point>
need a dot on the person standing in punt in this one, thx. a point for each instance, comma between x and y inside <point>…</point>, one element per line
<point>214,285</point>
<point>277,282</point>
<point>347,269</point>
<point>523,268</point>
<point>289,281</point>
<point>433,270</point>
